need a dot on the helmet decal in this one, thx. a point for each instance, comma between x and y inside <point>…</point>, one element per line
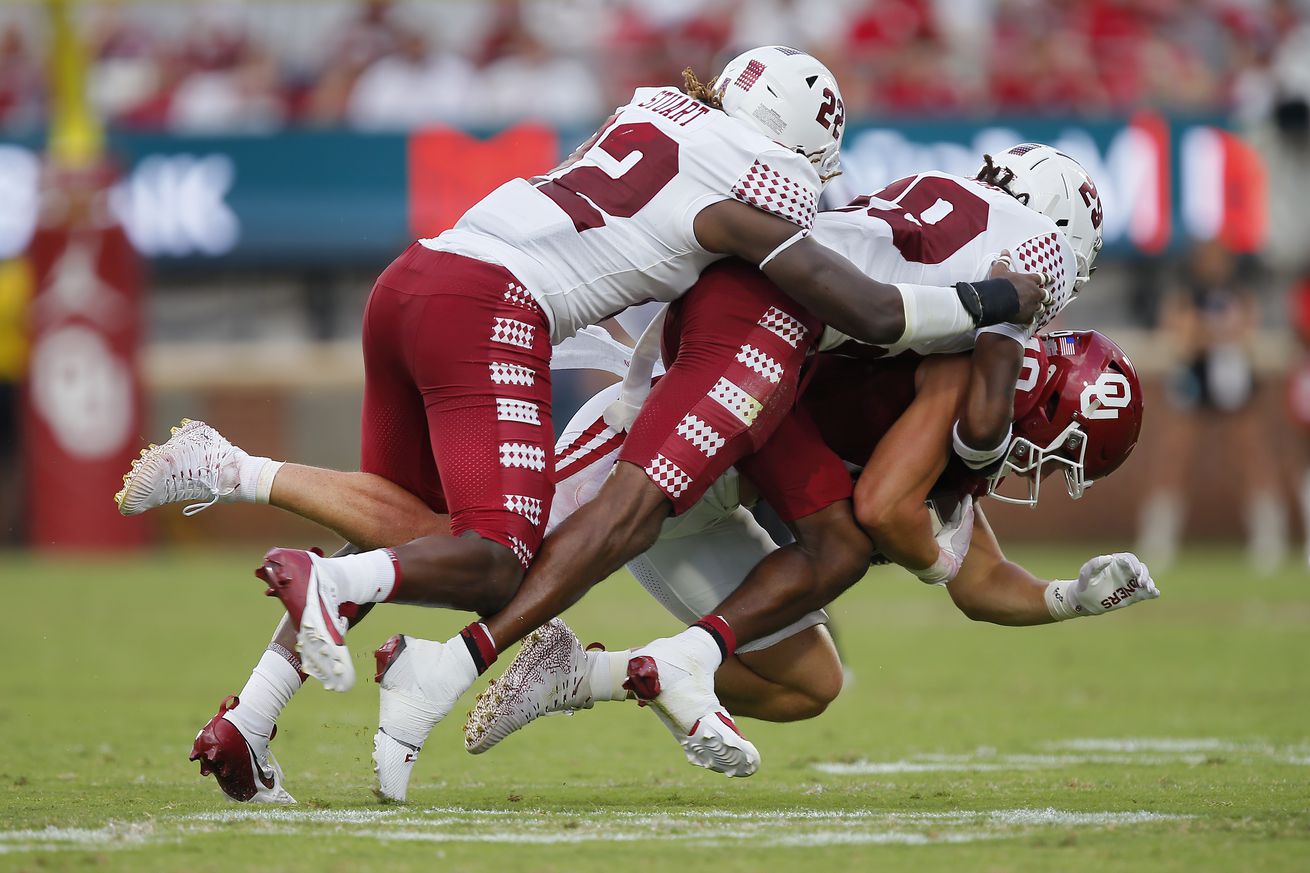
<point>750,75</point>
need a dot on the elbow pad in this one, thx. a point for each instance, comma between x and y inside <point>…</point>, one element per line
<point>980,459</point>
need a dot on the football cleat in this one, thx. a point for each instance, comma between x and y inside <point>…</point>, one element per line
<point>243,767</point>
<point>420,683</point>
<point>680,690</point>
<point>196,464</point>
<point>311,600</point>
<point>549,675</point>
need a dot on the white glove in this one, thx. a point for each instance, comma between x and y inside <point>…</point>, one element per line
<point>953,544</point>
<point>1105,583</point>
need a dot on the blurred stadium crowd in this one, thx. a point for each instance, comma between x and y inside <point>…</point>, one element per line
<point>376,64</point>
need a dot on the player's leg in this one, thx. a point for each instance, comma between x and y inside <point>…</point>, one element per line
<point>740,344</point>
<point>1266,516</point>
<point>198,466</point>
<point>234,744</point>
<point>701,556</point>
<point>791,680</point>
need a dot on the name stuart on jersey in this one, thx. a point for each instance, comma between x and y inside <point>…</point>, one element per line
<point>676,107</point>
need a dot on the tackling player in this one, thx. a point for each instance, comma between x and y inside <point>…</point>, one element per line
<point>458,332</point>
<point>925,229</point>
<point>944,251</point>
<point>892,417</point>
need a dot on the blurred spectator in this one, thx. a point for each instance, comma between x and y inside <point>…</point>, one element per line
<point>228,82</point>
<point>412,86</point>
<point>1208,324</point>
<point>127,81</point>
<point>20,80</point>
<point>522,79</point>
<point>15,291</point>
<point>1298,397</point>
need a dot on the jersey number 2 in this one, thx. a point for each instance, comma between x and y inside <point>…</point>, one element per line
<point>649,161</point>
<point>933,217</point>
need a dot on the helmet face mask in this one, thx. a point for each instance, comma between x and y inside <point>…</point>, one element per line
<point>790,97</point>
<point>1080,412</point>
<point>1032,463</point>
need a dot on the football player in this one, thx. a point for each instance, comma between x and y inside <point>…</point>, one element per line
<point>1078,410</point>
<point>1032,200</point>
<point>753,314</point>
<point>458,332</point>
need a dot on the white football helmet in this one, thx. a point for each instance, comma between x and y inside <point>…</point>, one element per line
<point>791,98</point>
<point>1057,186</point>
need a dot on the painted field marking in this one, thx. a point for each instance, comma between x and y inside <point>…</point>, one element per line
<point>708,827</point>
<point>1122,752</point>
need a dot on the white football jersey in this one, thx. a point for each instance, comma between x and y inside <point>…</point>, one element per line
<point>614,229</point>
<point>939,229</point>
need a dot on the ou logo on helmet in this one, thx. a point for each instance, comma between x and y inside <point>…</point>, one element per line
<point>1104,398</point>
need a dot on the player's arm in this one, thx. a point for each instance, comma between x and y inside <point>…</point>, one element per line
<point>981,437</point>
<point>990,588</point>
<point>833,289</point>
<point>891,494</point>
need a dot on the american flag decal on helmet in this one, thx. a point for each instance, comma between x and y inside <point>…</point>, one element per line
<point>1023,149</point>
<point>750,75</point>
<point>788,50</point>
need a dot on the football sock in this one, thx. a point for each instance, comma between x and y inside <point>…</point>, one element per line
<point>255,479</point>
<point>606,673</point>
<point>271,685</point>
<point>716,627</point>
<point>369,577</point>
<point>481,647</point>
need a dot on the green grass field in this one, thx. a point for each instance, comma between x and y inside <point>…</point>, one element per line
<point>1173,736</point>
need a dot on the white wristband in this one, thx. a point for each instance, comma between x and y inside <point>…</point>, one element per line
<point>932,313</point>
<point>977,459</point>
<point>937,574</point>
<point>1060,602</point>
<point>786,244</point>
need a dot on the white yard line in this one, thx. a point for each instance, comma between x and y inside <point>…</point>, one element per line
<point>710,827</point>
<point>1119,752</point>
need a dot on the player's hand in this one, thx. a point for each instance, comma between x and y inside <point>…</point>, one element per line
<point>1109,582</point>
<point>1033,288</point>
<point>953,541</point>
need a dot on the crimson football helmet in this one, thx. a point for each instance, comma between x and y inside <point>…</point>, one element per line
<point>1078,408</point>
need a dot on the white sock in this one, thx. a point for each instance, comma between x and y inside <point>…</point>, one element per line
<point>368,577</point>
<point>269,689</point>
<point>606,673</point>
<point>1160,526</point>
<point>255,479</point>
<point>1266,531</point>
<point>698,642</point>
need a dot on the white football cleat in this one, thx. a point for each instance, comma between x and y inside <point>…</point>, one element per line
<point>420,683</point>
<point>196,464</point>
<point>549,675</point>
<point>673,682</point>
<point>312,601</point>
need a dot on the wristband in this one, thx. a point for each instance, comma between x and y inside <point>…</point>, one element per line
<point>996,300</point>
<point>1060,602</point>
<point>940,572</point>
<point>786,244</point>
<point>979,459</point>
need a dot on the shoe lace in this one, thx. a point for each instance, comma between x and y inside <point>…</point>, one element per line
<point>196,476</point>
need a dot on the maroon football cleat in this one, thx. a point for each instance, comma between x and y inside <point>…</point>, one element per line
<point>246,771</point>
<point>299,581</point>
